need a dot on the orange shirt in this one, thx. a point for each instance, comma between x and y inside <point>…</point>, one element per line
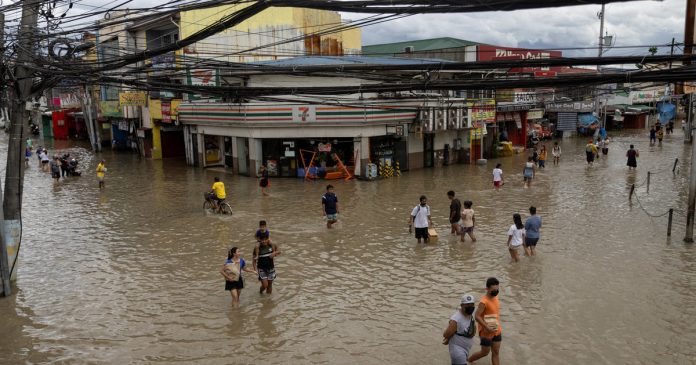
<point>492,309</point>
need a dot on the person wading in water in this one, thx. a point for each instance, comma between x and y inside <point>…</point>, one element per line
<point>264,252</point>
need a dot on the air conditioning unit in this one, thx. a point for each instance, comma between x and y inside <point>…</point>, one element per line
<point>409,49</point>
<point>454,118</point>
<point>466,118</point>
<point>427,119</point>
<point>440,119</point>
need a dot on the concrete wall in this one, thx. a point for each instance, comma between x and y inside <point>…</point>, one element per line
<point>415,151</point>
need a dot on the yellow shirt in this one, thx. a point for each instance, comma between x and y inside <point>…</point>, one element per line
<point>219,189</point>
<point>100,170</point>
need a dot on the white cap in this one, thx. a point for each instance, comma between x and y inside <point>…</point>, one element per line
<point>467,299</point>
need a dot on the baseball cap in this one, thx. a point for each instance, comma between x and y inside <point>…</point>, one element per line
<point>467,299</point>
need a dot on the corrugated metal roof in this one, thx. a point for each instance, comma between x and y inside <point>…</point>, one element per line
<point>348,60</point>
<point>418,46</point>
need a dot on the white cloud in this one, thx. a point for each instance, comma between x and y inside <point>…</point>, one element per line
<point>639,23</point>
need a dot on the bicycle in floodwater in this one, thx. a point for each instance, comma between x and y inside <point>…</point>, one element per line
<point>222,207</point>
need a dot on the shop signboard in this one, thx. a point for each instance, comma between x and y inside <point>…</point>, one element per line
<point>535,114</point>
<point>132,98</point>
<point>689,87</point>
<point>571,107</point>
<point>483,112</point>
<point>525,97</point>
<point>645,96</point>
<point>304,113</point>
<point>110,108</point>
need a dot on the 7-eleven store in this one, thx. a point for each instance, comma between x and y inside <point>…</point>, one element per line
<point>242,137</point>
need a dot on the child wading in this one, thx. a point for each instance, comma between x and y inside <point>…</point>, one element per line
<point>528,172</point>
<point>542,157</point>
<point>556,152</point>
<point>515,237</point>
<point>498,177</point>
<point>264,252</point>
<point>468,221</point>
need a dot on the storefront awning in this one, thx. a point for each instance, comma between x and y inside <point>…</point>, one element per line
<point>587,119</point>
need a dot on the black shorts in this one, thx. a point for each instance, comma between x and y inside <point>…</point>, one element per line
<point>239,284</point>
<point>530,242</point>
<point>455,220</point>
<point>263,183</point>
<point>422,233</point>
<point>486,341</point>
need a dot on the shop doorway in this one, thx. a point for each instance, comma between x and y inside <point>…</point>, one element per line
<point>428,150</point>
<point>228,152</point>
<point>213,150</point>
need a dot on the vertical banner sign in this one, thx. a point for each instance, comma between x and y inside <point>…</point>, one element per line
<point>166,112</point>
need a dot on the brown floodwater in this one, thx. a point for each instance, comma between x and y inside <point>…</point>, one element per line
<point>129,275</point>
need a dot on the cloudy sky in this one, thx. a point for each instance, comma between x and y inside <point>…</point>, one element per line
<point>638,23</point>
<point>633,24</point>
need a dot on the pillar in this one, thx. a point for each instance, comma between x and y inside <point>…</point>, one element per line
<point>255,156</point>
<point>156,143</point>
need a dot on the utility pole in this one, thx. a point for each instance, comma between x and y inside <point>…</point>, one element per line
<point>688,132</point>
<point>5,287</point>
<point>14,174</point>
<point>598,90</point>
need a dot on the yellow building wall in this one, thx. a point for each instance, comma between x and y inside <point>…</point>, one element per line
<point>271,25</point>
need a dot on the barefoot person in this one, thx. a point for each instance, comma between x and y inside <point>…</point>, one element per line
<point>528,172</point>
<point>468,221</point>
<point>455,212</point>
<point>263,180</point>
<point>498,177</point>
<point>556,152</point>
<point>329,204</point>
<point>532,228</point>
<point>232,272</point>
<point>632,156</point>
<point>101,172</point>
<point>460,332</point>
<point>420,219</point>
<point>264,252</point>
<point>488,319</point>
<point>515,237</point>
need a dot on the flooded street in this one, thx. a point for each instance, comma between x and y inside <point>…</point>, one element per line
<point>131,275</point>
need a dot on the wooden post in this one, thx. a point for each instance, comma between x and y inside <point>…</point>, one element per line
<point>633,188</point>
<point>669,223</point>
<point>676,160</point>
<point>648,188</point>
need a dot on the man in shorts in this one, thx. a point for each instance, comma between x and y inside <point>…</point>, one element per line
<point>532,226</point>
<point>488,318</point>
<point>420,219</point>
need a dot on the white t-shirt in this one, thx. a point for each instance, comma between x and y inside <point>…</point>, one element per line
<point>497,174</point>
<point>516,235</point>
<point>421,216</point>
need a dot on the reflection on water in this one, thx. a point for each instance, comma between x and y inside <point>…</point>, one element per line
<point>130,274</point>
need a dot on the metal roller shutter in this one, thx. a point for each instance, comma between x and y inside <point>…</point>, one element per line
<point>567,121</point>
